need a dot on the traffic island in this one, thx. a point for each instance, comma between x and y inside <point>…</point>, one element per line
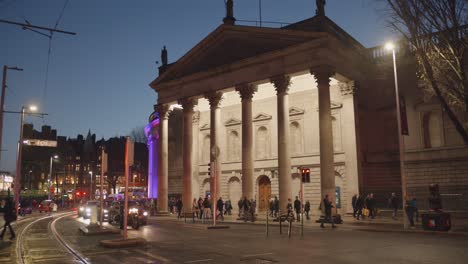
<point>91,230</point>
<point>122,243</point>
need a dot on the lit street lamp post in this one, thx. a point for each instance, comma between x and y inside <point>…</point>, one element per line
<point>401,143</point>
<point>49,180</point>
<point>91,186</point>
<point>18,160</point>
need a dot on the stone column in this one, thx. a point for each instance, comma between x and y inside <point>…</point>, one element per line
<point>246,92</point>
<point>214,99</point>
<point>195,155</point>
<point>163,168</point>
<point>187,105</point>
<point>281,84</point>
<point>322,76</point>
<point>350,142</point>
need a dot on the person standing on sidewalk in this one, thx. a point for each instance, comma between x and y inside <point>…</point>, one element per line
<point>307,209</point>
<point>200,207</point>
<point>220,207</point>
<point>179,206</point>
<point>195,207</point>
<point>409,211</point>
<point>414,204</point>
<point>327,208</point>
<point>297,208</point>
<point>359,206</point>
<point>9,216</point>
<point>393,203</point>
<point>353,203</point>
<point>276,205</point>
<point>239,204</point>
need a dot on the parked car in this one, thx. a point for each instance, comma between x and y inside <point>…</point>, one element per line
<point>45,206</point>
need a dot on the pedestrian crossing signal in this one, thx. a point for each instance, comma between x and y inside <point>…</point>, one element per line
<point>305,175</point>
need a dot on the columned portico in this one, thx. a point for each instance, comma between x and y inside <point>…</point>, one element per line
<point>246,92</point>
<point>281,84</point>
<point>214,98</point>
<point>322,76</point>
<point>163,172</point>
<point>187,105</point>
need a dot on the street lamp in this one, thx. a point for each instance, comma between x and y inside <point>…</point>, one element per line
<point>2,102</point>
<point>91,185</point>
<point>49,180</point>
<point>18,160</point>
<point>401,143</point>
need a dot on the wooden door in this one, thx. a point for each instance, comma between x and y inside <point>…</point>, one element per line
<point>264,193</point>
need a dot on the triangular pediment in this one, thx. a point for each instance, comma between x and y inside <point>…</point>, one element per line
<point>261,116</point>
<point>334,105</point>
<point>295,111</point>
<point>232,122</point>
<point>230,44</point>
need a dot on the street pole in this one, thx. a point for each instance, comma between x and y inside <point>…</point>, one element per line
<point>2,103</point>
<point>127,173</point>
<point>401,144</point>
<point>50,177</point>
<point>91,186</point>
<point>18,163</point>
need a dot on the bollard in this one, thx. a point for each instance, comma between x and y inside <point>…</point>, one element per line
<point>267,224</point>
<point>289,229</point>
<point>185,217</point>
<point>302,225</point>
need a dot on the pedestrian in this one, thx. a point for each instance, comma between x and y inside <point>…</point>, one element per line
<point>297,208</point>
<point>289,209</point>
<point>179,206</point>
<point>271,206</point>
<point>276,205</point>
<point>228,207</point>
<point>353,203</point>
<point>206,208</point>
<point>409,211</point>
<point>220,206</point>
<point>253,207</point>
<point>9,216</point>
<point>370,205</point>
<point>246,208</point>
<point>359,206</point>
<point>307,209</point>
<point>54,207</point>
<point>326,207</point>
<point>200,208</point>
<point>393,204</point>
<point>414,204</point>
<point>195,207</point>
<point>239,204</point>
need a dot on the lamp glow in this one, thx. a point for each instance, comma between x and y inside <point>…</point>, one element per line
<point>33,108</point>
<point>389,46</point>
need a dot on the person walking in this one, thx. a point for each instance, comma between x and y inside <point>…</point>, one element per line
<point>200,208</point>
<point>289,209</point>
<point>370,204</point>
<point>297,208</point>
<point>307,209</point>
<point>220,206</point>
<point>271,206</point>
<point>276,205</point>
<point>246,207</point>
<point>359,206</point>
<point>9,216</point>
<point>195,207</point>
<point>409,211</point>
<point>353,203</point>
<point>179,206</point>
<point>327,209</point>
<point>206,208</point>
<point>393,204</point>
<point>253,207</point>
<point>239,204</point>
<point>414,204</point>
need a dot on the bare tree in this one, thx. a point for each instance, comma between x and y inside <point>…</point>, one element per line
<point>437,33</point>
<point>138,134</point>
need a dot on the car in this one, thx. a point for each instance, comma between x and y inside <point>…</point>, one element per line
<point>133,207</point>
<point>105,212</point>
<point>87,208</point>
<point>45,206</point>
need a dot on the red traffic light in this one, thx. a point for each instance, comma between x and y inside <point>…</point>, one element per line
<point>78,193</point>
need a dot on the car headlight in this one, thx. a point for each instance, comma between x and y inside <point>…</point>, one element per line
<point>133,210</point>
<point>145,213</point>
<point>81,208</point>
<point>88,210</point>
<point>106,211</point>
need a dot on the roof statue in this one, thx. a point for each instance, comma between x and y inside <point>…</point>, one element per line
<point>320,11</point>
<point>229,19</point>
<point>164,56</point>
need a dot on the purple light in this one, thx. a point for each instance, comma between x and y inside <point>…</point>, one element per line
<point>151,132</point>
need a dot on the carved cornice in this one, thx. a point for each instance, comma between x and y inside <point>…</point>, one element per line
<point>232,122</point>
<point>163,110</point>
<point>187,104</point>
<point>261,116</point>
<point>281,83</point>
<point>295,111</point>
<point>246,90</point>
<point>347,88</point>
<point>322,74</point>
<point>214,98</point>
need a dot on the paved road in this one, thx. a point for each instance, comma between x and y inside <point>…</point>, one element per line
<point>175,242</point>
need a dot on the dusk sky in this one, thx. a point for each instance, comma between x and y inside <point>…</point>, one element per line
<point>98,79</point>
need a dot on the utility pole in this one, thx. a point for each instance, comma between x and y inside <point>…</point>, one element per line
<point>2,106</point>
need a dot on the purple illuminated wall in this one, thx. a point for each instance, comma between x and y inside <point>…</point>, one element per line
<point>151,132</point>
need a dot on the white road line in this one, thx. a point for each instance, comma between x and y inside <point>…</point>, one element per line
<point>198,261</point>
<point>256,255</point>
<point>152,255</point>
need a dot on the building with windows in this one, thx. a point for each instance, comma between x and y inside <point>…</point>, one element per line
<point>254,105</point>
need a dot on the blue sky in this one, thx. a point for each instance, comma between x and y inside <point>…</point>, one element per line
<point>99,78</point>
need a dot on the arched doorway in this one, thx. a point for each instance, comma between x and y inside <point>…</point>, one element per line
<point>264,193</point>
<point>235,191</point>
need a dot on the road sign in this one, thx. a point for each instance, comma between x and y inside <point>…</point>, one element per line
<point>40,143</point>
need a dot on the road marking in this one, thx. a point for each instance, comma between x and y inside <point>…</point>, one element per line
<point>198,261</point>
<point>257,255</point>
<point>152,255</point>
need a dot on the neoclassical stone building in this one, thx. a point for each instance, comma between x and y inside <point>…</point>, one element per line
<point>259,103</point>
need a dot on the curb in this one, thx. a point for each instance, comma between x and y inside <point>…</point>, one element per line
<point>121,243</point>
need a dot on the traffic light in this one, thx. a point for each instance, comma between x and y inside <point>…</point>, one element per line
<point>209,169</point>
<point>305,175</point>
<point>78,194</point>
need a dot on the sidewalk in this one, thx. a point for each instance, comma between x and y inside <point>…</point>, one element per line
<point>379,224</point>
